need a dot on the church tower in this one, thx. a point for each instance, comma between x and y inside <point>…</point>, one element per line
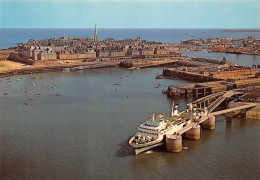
<point>96,35</point>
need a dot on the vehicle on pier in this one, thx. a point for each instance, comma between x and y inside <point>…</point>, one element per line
<point>152,132</point>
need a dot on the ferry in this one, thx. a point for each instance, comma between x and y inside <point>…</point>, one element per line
<point>152,132</point>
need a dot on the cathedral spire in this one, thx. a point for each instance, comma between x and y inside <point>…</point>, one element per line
<point>96,35</point>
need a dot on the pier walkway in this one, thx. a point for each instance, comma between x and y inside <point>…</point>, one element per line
<point>212,102</point>
<point>154,64</point>
<point>246,106</point>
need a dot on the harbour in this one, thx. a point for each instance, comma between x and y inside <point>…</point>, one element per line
<point>129,89</point>
<point>39,133</point>
<point>73,117</point>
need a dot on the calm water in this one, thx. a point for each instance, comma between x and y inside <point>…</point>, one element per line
<point>83,133</point>
<point>10,37</point>
<point>242,59</point>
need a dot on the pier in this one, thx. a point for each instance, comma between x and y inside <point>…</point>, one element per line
<point>199,114</point>
<point>206,120</point>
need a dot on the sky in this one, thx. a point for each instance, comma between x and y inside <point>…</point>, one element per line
<point>225,14</point>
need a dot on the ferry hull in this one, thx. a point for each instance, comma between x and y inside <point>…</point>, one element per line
<point>136,146</point>
<point>140,150</point>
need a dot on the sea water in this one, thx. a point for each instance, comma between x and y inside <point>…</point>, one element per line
<point>83,133</point>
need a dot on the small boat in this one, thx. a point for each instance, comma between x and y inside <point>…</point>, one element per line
<point>5,93</point>
<point>30,98</point>
<point>58,94</point>
<point>185,148</point>
<point>33,83</point>
<point>53,87</point>
<point>156,86</point>
<point>80,68</point>
<point>37,94</point>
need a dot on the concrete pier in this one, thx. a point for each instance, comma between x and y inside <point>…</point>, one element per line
<point>193,133</point>
<point>209,124</point>
<point>173,143</point>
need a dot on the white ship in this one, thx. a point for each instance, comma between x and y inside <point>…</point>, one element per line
<point>151,133</point>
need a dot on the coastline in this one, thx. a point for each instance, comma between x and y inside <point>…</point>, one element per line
<point>31,69</point>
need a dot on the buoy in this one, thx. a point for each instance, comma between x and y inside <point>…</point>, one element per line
<point>185,148</point>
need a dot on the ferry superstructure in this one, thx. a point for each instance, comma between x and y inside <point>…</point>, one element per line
<point>151,133</point>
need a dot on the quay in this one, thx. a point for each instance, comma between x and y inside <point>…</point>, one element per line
<point>209,81</point>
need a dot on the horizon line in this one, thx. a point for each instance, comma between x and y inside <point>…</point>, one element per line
<point>121,28</point>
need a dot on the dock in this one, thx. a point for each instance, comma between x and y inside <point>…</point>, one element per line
<point>206,83</point>
<point>206,120</point>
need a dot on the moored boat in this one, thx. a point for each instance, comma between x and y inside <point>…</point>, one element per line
<point>153,131</point>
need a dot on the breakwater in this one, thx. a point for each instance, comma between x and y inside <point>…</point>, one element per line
<point>206,60</point>
<point>190,76</point>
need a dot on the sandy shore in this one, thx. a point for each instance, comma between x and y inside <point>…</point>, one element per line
<point>11,68</point>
